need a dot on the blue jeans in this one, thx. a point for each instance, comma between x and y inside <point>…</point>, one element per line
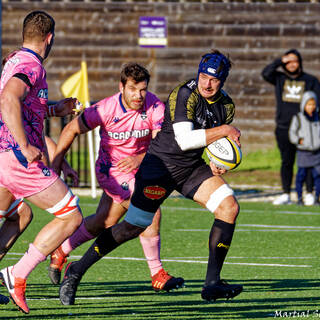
<point>301,177</point>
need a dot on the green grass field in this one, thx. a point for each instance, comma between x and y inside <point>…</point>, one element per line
<point>274,254</point>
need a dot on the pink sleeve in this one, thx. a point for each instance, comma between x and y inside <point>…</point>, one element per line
<point>157,115</point>
<point>93,116</point>
<point>33,71</point>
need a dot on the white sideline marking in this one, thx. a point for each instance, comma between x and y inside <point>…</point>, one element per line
<point>78,298</point>
<point>241,210</point>
<point>189,260</point>
<point>278,226</point>
<point>265,226</point>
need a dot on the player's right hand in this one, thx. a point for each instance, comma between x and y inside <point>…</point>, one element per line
<point>31,153</point>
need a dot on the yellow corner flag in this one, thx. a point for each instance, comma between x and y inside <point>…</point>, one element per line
<point>76,86</point>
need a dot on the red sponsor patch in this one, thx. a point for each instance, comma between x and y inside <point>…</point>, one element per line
<point>154,192</point>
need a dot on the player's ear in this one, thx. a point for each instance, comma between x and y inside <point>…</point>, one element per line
<point>121,87</point>
<point>50,37</point>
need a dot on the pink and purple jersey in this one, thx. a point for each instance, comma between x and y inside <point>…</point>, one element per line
<point>123,133</point>
<point>27,66</point>
<point>21,178</point>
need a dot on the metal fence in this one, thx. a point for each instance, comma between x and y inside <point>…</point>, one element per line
<point>78,155</point>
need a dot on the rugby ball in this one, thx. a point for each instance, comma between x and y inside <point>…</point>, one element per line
<point>224,153</point>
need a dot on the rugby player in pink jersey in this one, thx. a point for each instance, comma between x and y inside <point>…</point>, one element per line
<point>128,121</point>
<point>24,172</point>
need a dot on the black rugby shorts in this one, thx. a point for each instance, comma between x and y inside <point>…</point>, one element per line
<point>155,181</point>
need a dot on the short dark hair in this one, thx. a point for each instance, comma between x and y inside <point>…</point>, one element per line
<point>135,71</point>
<point>37,25</point>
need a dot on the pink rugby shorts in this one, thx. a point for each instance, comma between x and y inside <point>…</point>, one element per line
<point>117,185</point>
<point>24,182</point>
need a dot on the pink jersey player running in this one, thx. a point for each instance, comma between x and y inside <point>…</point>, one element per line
<point>24,171</point>
<point>128,120</point>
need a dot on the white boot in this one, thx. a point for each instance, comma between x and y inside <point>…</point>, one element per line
<point>309,199</point>
<point>282,199</point>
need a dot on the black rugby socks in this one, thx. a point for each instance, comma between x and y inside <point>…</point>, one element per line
<point>219,243</point>
<point>104,244</point>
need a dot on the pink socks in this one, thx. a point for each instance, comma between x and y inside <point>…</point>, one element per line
<point>28,262</point>
<point>151,249</point>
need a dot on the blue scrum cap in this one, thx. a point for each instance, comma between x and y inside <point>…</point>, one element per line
<point>216,65</point>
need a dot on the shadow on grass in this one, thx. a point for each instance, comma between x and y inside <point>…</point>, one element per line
<point>136,300</point>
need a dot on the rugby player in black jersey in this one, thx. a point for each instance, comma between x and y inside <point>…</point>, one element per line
<point>197,113</point>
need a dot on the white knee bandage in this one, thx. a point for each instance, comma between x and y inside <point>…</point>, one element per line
<point>217,196</point>
<point>14,208</point>
<point>66,206</point>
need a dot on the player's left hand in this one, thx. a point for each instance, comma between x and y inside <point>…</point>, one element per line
<point>216,170</point>
<point>68,106</point>
<point>234,134</point>
<point>129,163</point>
<point>69,172</point>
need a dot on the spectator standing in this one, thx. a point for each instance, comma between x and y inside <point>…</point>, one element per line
<point>290,84</point>
<point>304,132</point>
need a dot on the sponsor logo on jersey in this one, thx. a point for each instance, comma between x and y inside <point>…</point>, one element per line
<point>125,135</point>
<point>125,186</point>
<point>144,115</point>
<point>191,84</point>
<point>116,119</point>
<point>46,172</point>
<point>154,192</point>
<point>222,245</point>
<point>43,93</point>
<point>209,113</point>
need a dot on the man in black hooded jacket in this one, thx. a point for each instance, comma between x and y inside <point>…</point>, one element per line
<point>290,84</point>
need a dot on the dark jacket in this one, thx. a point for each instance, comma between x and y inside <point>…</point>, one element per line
<point>289,89</point>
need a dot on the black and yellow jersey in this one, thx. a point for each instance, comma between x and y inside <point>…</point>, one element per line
<point>186,104</point>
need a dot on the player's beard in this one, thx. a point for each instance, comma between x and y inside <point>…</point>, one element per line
<point>130,102</point>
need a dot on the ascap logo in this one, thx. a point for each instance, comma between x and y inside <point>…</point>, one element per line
<point>222,245</point>
<point>154,192</point>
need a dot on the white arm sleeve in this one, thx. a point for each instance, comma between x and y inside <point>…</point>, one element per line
<point>187,138</point>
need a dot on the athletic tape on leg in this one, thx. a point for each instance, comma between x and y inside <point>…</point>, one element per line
<point>15,206</point>
<point>139,217</point>
<point>217,196</point>
<point>66,206</point>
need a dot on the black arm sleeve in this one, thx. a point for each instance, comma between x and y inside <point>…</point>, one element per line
<point>83,118</point>
<point>24,78</point>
